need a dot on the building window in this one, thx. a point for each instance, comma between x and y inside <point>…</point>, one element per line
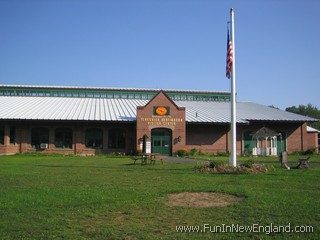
<point>12,135</point>
<point>1,135</point>
<point>39,138</point>
<point>117,138</point>
<point>63,138</point>
<point>93,138</point>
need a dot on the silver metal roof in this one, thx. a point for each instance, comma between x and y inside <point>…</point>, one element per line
<point>311,129</point>
<point>99,109</point>
<point>108,88</point>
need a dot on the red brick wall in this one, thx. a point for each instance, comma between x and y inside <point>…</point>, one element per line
<point>146,121</point>
<point>207,137</point>
<point>23,137</point>
<point>311,141</point>
<point>297,138</point>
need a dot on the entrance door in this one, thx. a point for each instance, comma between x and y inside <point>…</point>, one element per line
<point>281,142</point>
<point>161,141</point>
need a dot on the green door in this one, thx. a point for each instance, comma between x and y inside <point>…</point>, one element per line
<point>281,142</point>
<point>161,141</point>
<point>161,145</point>
<point>247,143</point>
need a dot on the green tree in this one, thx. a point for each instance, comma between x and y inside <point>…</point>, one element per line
<point>309,110</point>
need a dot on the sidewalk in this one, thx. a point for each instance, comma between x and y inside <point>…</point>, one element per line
<point>180,160</point>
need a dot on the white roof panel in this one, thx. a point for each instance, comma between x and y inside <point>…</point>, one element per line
<point>100,109</point>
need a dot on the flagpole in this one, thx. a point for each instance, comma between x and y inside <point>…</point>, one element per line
<point>233,127</point>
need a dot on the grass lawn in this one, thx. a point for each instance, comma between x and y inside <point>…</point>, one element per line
<point>66,197</point>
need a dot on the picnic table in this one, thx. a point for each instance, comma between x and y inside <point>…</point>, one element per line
<point>152,157</point>
<point>304,162</point>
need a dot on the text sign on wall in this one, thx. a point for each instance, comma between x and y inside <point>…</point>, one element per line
<point>148,146</point>
<point>164,121</point>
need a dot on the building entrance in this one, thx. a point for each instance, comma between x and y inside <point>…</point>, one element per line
<point>161,141</point>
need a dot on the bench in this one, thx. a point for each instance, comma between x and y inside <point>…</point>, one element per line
<point>304,162</point>
<point>141,158</point>
<point>144,159</point>
<point>153,160</point>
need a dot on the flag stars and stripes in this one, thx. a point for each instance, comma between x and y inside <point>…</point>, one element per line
<point>229,57</point>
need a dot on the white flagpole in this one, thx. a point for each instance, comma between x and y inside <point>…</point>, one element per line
<point>233,157</point>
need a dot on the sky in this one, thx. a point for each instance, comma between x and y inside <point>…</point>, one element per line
<point>165,44</point>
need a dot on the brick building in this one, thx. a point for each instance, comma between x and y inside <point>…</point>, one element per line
<point>79,120</point>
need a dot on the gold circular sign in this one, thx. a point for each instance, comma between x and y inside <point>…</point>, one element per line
<point>161,111</point>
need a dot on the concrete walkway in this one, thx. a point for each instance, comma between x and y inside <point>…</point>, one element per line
<point>180,160</point>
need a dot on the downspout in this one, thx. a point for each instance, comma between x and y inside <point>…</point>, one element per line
<point>301,131</point>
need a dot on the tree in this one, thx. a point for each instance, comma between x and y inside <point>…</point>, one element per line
<point>309,110</point>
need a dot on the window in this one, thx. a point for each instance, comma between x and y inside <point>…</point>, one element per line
<point>63,138</point>
<point>93,138</point>
<point>1,135</point>
<point>12,135</point>
<point>39,136</point>
<point>117,138</point>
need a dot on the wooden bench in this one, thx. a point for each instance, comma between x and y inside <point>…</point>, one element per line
<point>153,160</point>
<point>141,158</point>
<point>144,159</point>
<point>304,162</point>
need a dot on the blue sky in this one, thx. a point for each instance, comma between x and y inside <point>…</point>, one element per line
<point>165,44</point>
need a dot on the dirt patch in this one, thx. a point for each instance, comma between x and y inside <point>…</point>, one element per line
<point>202,199</point>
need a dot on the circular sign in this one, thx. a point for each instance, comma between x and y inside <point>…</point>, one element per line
<point>161,111</point>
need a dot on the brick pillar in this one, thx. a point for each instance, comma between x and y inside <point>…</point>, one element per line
<point>303,130</point>
<point>25,139</point>
<point>6,135</point>
<point>105,140</point>
<point>78,140</point>
<point>51,138</point>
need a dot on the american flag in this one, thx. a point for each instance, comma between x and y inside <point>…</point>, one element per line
<point>229,57</point>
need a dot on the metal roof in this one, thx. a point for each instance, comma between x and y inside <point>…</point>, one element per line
<point>311,129</point>
<point>246,111</point>
<point>108,89</point>
<point>100,109</point>
<point>121,93</point>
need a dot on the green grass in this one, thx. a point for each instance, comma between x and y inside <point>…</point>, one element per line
<point>57,197</point>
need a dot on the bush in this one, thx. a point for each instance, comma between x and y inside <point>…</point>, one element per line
<point>193,152</point>
<point>99,152</point>
<point>247,153</point>
<point>216,163</point>
<point>310,151</point>
<point>182,152</point>
<point>219,167</point>
<point>248,163</point>
<point>222,154</point>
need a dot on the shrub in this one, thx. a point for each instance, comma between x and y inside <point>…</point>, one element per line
<point>219,167</point>
<point>99,152</point>
<point>199,167</point>
<point>193,152</point>
<point>248,163</point>
<point>247,153</point>
<point>216,163</point>
<point>222,154</point>
<point>310,151</point>
<point>139,152</point>
<point>182,152</point>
